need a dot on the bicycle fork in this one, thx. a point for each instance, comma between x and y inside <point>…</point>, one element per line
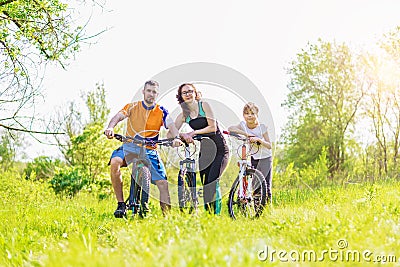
<point>187,166</point>
<point>245,186</point>
<point>245,182</point>
<point>136,193</point>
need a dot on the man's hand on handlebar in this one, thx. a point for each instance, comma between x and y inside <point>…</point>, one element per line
<point>109,132</point>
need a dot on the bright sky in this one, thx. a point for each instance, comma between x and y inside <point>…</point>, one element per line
<point>256,38</point>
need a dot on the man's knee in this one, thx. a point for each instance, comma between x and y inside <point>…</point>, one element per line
<point>116,163</point>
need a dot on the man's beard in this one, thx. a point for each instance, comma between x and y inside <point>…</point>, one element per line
<point>149,102</point>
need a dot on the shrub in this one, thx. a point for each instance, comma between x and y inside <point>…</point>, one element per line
<point>69,181</point>
<point>41,168</point>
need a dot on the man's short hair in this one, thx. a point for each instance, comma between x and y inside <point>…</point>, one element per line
<point>151,83</point>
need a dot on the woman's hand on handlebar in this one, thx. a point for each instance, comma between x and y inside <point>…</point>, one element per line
<point>177,142</point>
<point>188,137</point>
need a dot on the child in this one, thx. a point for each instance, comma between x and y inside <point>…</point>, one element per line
<point>257,133</point>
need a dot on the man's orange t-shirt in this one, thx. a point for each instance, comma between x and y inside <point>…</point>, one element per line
<point>143,121</point>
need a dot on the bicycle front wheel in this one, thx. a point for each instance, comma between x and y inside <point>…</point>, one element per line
<point>139,191</point>
<point>247,196</point>
<point>144,177</point>
<point>187,193</point>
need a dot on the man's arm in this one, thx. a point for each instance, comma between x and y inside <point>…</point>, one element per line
<point>109,132</point>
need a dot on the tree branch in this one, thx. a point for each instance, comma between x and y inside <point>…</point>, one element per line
<point>26,131</point>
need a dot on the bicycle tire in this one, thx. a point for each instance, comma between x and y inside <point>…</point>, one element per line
<point>134,196</point>
<point>144,177</point>
<point>139,191</point>
<point>249,208</point>
<point>187,194</point>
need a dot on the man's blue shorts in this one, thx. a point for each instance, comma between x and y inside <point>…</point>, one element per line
<point>157,169</point>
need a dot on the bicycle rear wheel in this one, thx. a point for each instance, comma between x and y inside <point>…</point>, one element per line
<point>187,194</point>
<point>251,202</point>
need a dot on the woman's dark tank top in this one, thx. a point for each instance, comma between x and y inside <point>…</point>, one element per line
<point>201,122</point>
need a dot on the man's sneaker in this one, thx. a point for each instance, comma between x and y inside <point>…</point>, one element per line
<point>121,210</point>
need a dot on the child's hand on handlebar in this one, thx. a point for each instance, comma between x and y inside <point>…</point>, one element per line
<point>254,139</point>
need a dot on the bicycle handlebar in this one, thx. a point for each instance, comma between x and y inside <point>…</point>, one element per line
<point>238,136</point>
<point>198,137</point>
<point>163,142</point>
<point>244,138</point>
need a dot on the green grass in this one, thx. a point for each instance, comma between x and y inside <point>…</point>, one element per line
<point>40,229</point>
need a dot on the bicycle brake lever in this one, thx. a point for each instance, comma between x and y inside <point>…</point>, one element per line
<point>118,137</point>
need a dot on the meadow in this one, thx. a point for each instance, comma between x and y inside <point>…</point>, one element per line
<point>349,225</point>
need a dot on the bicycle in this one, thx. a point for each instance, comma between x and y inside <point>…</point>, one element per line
<point>187,194</point>
<point>140,176</point>
<point>247,197</point>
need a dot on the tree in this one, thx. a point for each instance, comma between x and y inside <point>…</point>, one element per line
<point>324,97</point>
<point>32,33</point>
<point>382,103</point>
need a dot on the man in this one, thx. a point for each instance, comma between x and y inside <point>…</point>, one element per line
<point>145,119</point>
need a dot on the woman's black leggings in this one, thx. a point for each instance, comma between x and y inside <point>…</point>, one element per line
<point>210,179</point>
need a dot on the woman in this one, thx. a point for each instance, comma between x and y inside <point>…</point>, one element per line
<point>258,134</point>
<point>214,152</point>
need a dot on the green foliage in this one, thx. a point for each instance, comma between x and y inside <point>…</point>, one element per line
<point>32,33</point>
<point>69,181</point>
<point>313,175</point>
<point>8,149</point>
<point>97,105</point>
<point>324,97</point>
<point>7,152</point>
<point>87,150</point>
<point>42,168</point>
<point>90,150</point>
